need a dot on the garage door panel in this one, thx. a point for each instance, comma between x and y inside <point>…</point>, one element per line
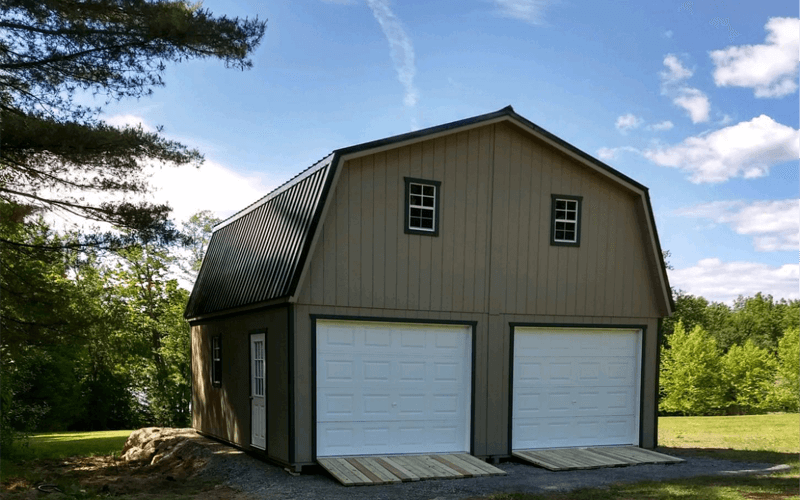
<point>547,403</point>
<point>558,433</point>
<point>367,407</point>
<point>399,437</point>
<point>392,388</point>
<point>339,369</point>
<point>547,372</point>
<point>585,397</point>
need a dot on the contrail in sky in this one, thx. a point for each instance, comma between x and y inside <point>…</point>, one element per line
<point>400,46</point>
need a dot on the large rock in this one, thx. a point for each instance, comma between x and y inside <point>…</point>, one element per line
<point>152,444</point>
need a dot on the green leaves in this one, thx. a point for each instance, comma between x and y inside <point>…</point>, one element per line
<point>749,373</point>
<point>698,379</point>
<point>786,393</point>
<point>691,377</point>
<point>55,154</point>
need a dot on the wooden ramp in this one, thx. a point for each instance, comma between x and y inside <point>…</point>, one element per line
<point>593,458</point>
<point>388,469</point>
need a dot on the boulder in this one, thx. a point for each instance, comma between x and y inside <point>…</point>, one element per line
<point>152,444</point>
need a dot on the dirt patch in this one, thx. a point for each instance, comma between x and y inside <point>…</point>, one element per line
<point>155,462</point>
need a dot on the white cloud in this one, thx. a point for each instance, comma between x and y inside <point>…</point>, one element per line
<point>769,69</point>
<point>211,187</point>
<point>773,224</point>
<point>530,11</point>
<point>607,153</point>
<point>611,153</point>
<point>668,34</point>
<point>627,122</point>
<point>400,46</point>
<point>724,281</point>
<point>675,72</point>
<point>695,102</point>
<point>747,149</point>
<point>122,121</point>
<point>665,125</point>
<point>186,189</point>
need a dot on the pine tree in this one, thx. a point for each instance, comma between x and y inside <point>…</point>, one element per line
<point>53,151</point>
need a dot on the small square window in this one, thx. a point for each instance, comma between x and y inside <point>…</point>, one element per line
<point>216,360</point>
<point>565,227</point>
<point>422,206</point>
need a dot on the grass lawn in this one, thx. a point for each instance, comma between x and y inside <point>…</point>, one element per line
<point>57,445</point>
<point>752,438</point>
<point>771,438</point>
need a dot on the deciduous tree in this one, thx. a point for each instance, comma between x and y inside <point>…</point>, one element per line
<point>691,377</point>
<point>786,392</point>
<point>749,374</point>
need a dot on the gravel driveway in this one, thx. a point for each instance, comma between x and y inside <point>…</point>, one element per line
<point>261,480</point>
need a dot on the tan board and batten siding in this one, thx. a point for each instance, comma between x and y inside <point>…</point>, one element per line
<point>491,263</point>
<point>224,411</point>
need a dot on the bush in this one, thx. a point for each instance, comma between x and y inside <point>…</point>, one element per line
<point>785,393</point>
<point>691,379</point>
<point>749,373</point>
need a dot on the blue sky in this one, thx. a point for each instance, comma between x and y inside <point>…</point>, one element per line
<point>696,100</point>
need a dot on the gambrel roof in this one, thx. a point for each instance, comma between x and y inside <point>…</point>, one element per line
<point>259,255</point>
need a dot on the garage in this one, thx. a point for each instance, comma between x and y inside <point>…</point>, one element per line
<point>392,387</point>
<point>575,387</point>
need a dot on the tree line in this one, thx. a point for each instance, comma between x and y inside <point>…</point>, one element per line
<point>740,359</point>
<point>93,339</point>
<point>92,333</point>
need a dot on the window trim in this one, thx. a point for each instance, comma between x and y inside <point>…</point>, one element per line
<point>216,372</point>
<point>436,203</point>
<point>566,197</point>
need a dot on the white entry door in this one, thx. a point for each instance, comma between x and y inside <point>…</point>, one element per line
<point>575,387</point>
<point>386,388</point>
<point>258,414</point>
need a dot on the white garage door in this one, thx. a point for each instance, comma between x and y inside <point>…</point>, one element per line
<point>575,387</point>
<point>392,388</point>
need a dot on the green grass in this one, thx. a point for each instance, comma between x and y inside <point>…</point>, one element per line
<point>58,445</point>
<point>773,438</point>
<point>752,438</point>
<point>55,445</point>
<point>702,488</point>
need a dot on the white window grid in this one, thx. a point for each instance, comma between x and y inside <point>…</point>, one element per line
<point>422,207</point>
<point>258,368</point>
<point>566,221</point>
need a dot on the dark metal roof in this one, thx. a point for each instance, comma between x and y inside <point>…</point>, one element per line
<point>258,254</point>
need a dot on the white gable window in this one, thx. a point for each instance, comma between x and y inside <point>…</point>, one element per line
<point>565,226</point>
<point>422,206</point>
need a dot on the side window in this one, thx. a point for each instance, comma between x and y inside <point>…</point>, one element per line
<point>422,206</point>
<point>216,360</point>
<point>565,220</point>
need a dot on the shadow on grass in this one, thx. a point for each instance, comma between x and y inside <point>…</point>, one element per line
<point>771,457</point>
<point>764,487</point>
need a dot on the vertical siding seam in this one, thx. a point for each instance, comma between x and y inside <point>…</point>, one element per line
<point>488,293</point>
<point>487,299</point>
